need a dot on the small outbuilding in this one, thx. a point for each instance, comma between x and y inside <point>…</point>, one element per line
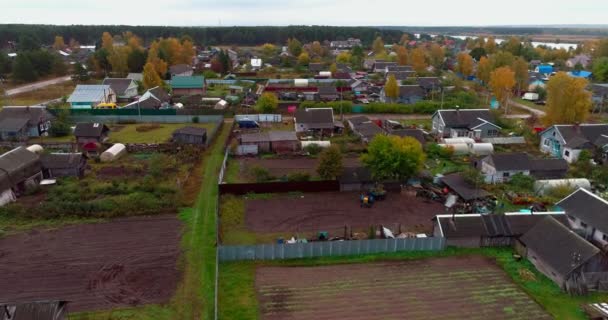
<point>113,153</point>
<point>56,165</point>
<point>20,170</point>
<point>272,141</point>
<point>190,135</point>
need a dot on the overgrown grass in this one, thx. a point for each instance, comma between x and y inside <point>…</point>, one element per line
<point>236,300</point>
<point>128,133</point>
<point>42,95</point>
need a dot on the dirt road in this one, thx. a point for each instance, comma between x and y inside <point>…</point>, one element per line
<point>37,85</point>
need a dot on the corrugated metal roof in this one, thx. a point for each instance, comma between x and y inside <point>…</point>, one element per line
<point>181,82</point>
<point>90,93</point>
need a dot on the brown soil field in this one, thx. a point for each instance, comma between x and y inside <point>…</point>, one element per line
<point>280,167</point>
<point>331,211</point>
<point>472,288</point>
<point>121,263</point>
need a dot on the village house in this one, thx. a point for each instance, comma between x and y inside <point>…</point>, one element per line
<point>381,66</point>
<point>316,67</point>
<point>187,86</point>
<point>567,141</point>
<point>20,170</point>
<point>401,76</point>
<point>573,263</point>
<point>190,135</point>
<point>363,127</point>
<point>408,94</point>
<point>582,59</point>
<point>328,93</point>
<point>429,84</point>
<point>88,96</point>
<point>398,68</point>
<point>20,123</point>
<point>494,230</point>
<point>180,70</point>
<point>359,87</point>
<point>90,135</point>
<point>125,89</point>
<point>471,123</point>
<point>588,214</point>
<point>57,165</point>
<point>272,141</point>
<point>153,99</point>
<point>314,119</point>
<point>500,167</point>
<point>345,44</point>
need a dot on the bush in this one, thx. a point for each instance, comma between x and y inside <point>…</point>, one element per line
<point>195,119</point>
<point>434,151</point>
<point>60,129</point>
<point>313,149</point>
<point>522,183</point>
<point>260,174</point>
<point>298,177</point>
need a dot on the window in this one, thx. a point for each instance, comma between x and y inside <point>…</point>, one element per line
<point>492,133</point>
<point>547,142</point>
<point>604,237</point>
<point>567,153</point>
<point>584,225</point>
<point>505,174</point>
<point>554,133</point>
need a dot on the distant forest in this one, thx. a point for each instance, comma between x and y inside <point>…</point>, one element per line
<point>579,31</point>
<point>89,34</point>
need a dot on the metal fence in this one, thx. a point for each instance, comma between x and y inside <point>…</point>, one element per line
<point>258,117</point>
<point>144,119</point>
<point>328,249</point>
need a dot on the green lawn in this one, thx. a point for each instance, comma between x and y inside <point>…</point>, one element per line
<point>68,138</point>
<point>128,133</point>
<point>238,298</point>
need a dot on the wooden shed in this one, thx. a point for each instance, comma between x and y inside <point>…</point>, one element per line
<point>273,141</point>
<point>190,135</point>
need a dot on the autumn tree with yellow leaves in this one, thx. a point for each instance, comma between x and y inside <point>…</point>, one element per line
<point>502,81</point>
<point>391,88</point>
<point>402,55</point>
<point>484,69</point>
<point>465,64</point>
<point>151,78</point>
<point>567,100</point>
<point>418,60</point>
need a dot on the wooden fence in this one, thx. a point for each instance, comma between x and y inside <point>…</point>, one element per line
<point>279,187</point>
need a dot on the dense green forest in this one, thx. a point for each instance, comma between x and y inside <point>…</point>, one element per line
<point>90,34</point>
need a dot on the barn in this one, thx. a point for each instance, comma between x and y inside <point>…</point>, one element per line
<point>19,170</point>
<point>56,165</point>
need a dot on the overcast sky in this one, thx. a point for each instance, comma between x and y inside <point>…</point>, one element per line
<point>306,12</point>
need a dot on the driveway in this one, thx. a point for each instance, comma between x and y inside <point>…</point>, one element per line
<point>538,113</point>
<point>37,85</point>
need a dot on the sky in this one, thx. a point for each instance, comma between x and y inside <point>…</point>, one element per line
<point>305,12</point>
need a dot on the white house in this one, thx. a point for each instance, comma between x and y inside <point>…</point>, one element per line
<point>472,123</point>
<point>567,141</point>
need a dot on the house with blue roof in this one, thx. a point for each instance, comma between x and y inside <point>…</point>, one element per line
<point>580,74</point>
<point>87,96</point>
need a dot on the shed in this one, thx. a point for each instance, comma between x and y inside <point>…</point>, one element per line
<point>190,135</point>
<point>192,85</point>
<point>272,141</point>
<point>465,190</point>
<point>113,153</point>
<point>19,170</point>
<point>55,165</point>
<point>22,122</point>
<point>86,132</point>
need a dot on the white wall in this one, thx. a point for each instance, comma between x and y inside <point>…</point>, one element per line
<point>571,155</point>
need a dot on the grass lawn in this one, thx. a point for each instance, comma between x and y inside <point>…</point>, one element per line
<point>425,123</point>
<point>128,133</point>
<point>445,166</point>
<point>237,296</point>
<point>530,104</point>
<point>68,138</point>
<point>41,95</point>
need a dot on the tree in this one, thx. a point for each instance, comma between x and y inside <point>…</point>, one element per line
<point>80,73</point>
<point>118,59</point>
<point>267,103</point>
<point>268,50</point>
<point>602,49</point>
<point>567,100</point>
<point>333,68</point>
<point>330,163</point>
<point>477,53</point>
<point>502,81</point>
<point>402,55</point>
<point>303,59</point>
<point>316,48</point>
<point>513,45</point>
<point>490,45</point>
<point>391,88</point>
<point>484,68</point>
<point>502,59</point>
<point>28,42</point>
<point>465,64</point>
<point>418,60</point>
<point>378,46</point>
<point>59,44</point>
<point>520,67</point>
<point>151,78</point>
<point>343,57</point>
<point>393,157</point>
<point>294,46</point>
<point>5,63</point>
<point>600,69</point>
<point>437,55</point>
<point>23,69</point>
<point>107,42</point>
<point>159,64</point>
<point>405,38</point>
<point>187,52</point>
<point>136,60</point>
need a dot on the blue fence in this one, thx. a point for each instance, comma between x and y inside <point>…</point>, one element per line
<point>328,249</point>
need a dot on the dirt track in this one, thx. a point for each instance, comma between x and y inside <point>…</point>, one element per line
<point>331,211</point>
<point>122,263</point>
<point>471,288</point>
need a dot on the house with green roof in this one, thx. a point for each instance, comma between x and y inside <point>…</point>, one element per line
<point>188,85</point>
